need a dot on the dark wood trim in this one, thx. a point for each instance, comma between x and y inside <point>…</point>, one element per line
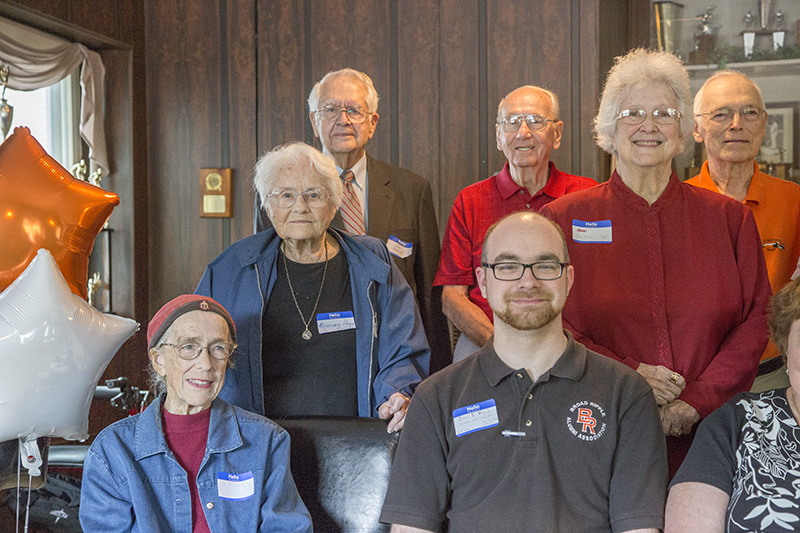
<point>61,28</point>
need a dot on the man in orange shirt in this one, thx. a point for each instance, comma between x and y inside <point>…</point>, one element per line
<point>731,120</point>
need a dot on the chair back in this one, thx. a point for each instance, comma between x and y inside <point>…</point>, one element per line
<point>341,467</point>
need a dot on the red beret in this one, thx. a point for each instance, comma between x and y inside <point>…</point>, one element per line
<point>181,305</point>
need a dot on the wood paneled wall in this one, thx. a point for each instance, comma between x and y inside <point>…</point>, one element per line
<point>231,79</point>
<point>216,83</point>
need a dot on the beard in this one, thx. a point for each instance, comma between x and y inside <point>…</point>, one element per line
<point>531,318</point>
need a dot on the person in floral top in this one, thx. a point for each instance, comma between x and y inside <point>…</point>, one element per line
<point>743,470</point>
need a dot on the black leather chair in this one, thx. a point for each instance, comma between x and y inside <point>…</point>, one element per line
<point>341,467</point>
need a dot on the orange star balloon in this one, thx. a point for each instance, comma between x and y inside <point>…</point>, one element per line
<point>43,206</point>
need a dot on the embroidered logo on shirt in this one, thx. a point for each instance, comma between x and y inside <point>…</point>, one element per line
<point>585,420</point>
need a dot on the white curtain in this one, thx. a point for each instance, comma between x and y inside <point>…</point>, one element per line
<point>36,59</point>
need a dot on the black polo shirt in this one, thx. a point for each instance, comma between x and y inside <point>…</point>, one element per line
<point>586,451</point>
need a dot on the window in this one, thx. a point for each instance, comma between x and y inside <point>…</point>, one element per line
<point>53,116</point>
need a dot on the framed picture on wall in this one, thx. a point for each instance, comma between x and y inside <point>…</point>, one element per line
<point>780,140</point>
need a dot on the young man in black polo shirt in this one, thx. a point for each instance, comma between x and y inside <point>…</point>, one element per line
<point>534,432</point>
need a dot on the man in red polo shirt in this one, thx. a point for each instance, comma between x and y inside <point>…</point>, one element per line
<point>528,128</point>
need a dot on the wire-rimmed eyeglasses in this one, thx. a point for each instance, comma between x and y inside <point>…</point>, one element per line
<point>724,115</point>
<point>535,121</point>
<point>332,112</point>
<point>285,198</point>
<point>660,116</point>
<point>192,350</point>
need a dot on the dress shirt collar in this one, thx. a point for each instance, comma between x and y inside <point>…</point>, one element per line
<point>359,173</point>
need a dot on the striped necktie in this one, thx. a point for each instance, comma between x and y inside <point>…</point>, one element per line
<point>352,214</point>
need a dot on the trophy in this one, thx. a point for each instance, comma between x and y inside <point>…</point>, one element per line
<point>6,111</point>
<point>666,24</point>
<point>779,34</point>
<point>706,41</point>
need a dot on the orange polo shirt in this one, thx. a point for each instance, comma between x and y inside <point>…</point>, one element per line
<point>776,206</point>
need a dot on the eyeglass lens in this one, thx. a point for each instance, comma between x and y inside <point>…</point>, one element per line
<point>513,122</point>
<point>332,112</point>
<point>285,198</point>
<point>660,116</point>
<point>725,114</point>
<point>545,271</point>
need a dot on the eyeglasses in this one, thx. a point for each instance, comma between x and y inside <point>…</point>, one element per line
<point>190,350</point>
<point>535,122</point>
<point>724,115</point>
<point>286,198</point>
<point>510,271</point>
<point>660,116</point>
<point>331,112</point>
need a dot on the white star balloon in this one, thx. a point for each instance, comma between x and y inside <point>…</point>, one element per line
<point>53,349</point>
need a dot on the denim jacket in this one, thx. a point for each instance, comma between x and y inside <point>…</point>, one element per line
<point>132,481</point>
<point>392,353</point>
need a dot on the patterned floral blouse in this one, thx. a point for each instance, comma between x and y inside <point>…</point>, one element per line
<point>750,449</point>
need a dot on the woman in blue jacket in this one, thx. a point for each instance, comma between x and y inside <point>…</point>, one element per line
<point>190,461</point>
<point>327,324</point>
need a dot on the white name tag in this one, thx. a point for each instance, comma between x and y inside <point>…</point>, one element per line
<point>401,249</point>
<point>475,417</point>
<point>235,486</point>
<point>598,231</point>
<point>327,322</point>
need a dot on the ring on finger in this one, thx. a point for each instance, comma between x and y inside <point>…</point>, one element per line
<point>675,377</point>
<point>675,432</point>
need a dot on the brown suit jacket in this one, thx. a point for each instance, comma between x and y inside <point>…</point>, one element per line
<point>401,204</point>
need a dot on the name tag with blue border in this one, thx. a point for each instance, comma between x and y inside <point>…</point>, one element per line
<point>401,249</point>
<point>597,231</point>
<point>235,487</point>
<point>328,322</point>
<point>475,417</point>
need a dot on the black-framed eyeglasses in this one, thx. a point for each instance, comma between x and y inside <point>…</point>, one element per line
<point>535,122</point>
<point>724,115</point>
<point>660,116</point>
<point>332,112</point>
<point>512,271</point>
<point>285,198</point>
<point>191,350</point>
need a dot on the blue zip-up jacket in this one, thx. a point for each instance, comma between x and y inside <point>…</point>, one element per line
<point>132,481</point>
<point>392,353</point>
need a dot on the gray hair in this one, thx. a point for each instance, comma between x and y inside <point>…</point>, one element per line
<point>636,69</point>
<point>372,94</point>
<point>295,159</point>
<point>158,383</point>
<point>555,108</point>
<point>727,73</point>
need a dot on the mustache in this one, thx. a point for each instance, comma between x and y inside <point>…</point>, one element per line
<point>539,294</point>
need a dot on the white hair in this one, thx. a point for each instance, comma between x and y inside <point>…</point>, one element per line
<point>727,73</point>
<point>555,108</point>
<point>642,68</point>
<point>295,159</point>
<point>372,94</point>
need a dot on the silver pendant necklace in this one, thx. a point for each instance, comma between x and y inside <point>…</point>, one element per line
<point>307,333</point>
